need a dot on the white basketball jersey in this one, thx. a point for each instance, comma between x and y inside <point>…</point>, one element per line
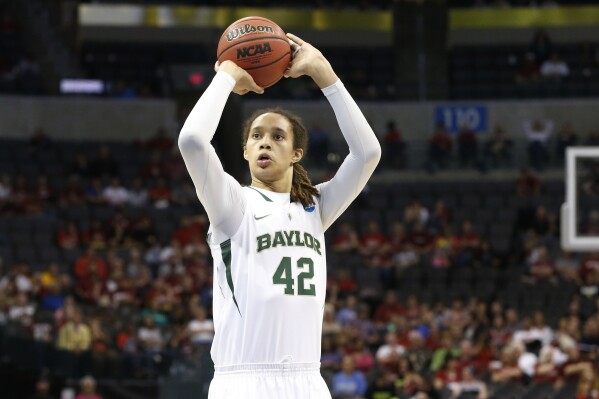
<point>269,283</point>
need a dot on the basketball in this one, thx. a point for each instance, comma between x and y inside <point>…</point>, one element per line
<point>257,45</point>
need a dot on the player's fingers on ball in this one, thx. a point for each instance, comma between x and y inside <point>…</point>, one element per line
<point>216,65</point>
<point>295,51</point>
<point>295,39</point>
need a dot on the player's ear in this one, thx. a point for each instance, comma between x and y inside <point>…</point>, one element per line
<point>298,154</point>
<point>245,153</point>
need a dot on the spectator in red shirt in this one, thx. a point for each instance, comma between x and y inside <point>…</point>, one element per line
<point>363,357</point>
<point>188,227</point>
<point>420,240</point>
<point>161,194</point>
<point>174,167</point>
<point>589,265</point>
<point>469,239</point>
<point>345,283</point>
<point>95,237</point>
<point>394,147</point>
<point>373,245</point>
<point>440,147</point>
<point>466,245</point>
<point>160,141</point>
<point>72,193</point>
<point>397,238</point>
<point>84,262</point>
<point>528,71</point>
<point>20,196</point>
<point>448,374</point>
<point>346,239</point>
<point>43,191</point>
<point>388,309</point>
<point>90,286</point>
<point>499,335</point>
<point>68,237</point>
<point>467,146</point>
<point>546,370</point>
<point>541,264</point>
<point>527,184</point>
<point>154,168</point>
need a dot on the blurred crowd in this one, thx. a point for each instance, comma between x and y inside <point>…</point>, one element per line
<point>129,300</point>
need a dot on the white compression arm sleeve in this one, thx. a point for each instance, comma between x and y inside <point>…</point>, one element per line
<point>220,194</point>
<point>364,154</point>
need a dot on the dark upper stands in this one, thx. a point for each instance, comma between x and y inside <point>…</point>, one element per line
<point>488,72</point>
<point>475,72</point>
<point>19,72</point>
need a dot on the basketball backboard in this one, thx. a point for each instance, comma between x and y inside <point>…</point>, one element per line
<point>580,212</point>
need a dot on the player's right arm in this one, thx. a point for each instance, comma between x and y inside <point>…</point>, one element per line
<point>219,192</point>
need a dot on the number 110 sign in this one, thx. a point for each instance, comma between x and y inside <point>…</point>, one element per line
<point>455,117</point>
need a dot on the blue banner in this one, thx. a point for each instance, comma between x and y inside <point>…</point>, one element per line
<point>455,117</point>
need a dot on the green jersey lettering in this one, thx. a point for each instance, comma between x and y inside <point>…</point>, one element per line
<point>298,239</point>
<point>289,238</point>
<point>317,246</point>
<point>278,240</point>
<point>309,240</point>
<point>263,242</point>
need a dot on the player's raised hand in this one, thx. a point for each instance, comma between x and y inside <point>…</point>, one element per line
<point>308,60</point>
<point>245,82</point>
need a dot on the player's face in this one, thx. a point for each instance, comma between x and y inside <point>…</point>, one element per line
<point>269,147</point>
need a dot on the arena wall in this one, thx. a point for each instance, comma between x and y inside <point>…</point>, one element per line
<point>81,119</point>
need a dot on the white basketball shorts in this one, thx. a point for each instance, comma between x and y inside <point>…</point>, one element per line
<point>269,381</point>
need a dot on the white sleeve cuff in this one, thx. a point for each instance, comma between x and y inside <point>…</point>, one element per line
<point>226,78</point>
<point>335,87</point>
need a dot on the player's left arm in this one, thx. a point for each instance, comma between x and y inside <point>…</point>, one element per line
<point>364,148</point>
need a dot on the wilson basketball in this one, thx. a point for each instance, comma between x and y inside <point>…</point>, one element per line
<point>257,45</point>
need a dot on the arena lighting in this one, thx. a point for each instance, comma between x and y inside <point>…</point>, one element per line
<point>190,77</point>
<point>196,78</point>
<point>81,86</point>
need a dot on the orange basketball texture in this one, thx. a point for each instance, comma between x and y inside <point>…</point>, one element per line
<point>257,45</point>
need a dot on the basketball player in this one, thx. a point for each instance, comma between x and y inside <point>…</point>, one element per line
<point>267,239</point>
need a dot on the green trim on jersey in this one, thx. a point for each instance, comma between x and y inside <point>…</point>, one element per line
<point>225,249</point>
<point>263,196</point>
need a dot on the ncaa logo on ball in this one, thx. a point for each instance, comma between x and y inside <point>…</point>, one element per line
<point>244,30</point>
<point>251,51</point>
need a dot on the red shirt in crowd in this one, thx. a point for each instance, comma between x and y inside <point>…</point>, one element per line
<point>82,266</point>
<point>185,233</point>
<point>589,265</point>
<point>386,311</point>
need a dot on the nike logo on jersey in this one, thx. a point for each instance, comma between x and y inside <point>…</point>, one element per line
<point>261,217</point>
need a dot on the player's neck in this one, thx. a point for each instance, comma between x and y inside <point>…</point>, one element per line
<point>277,186</point>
